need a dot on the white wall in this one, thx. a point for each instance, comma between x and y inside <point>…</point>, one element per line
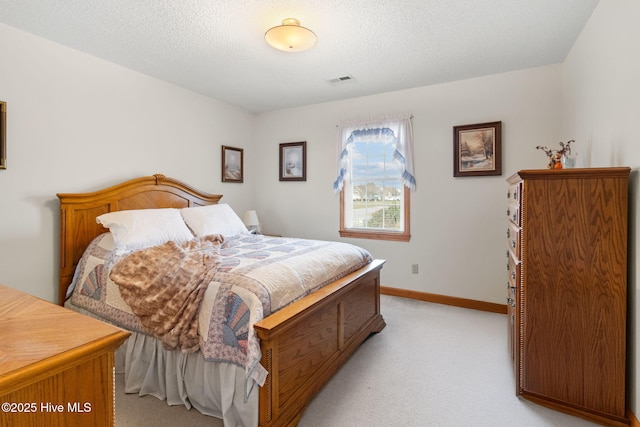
<point>601,106</point>
<point>76,123</point>
<point>458,225</point>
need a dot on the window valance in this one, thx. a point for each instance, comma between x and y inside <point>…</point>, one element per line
<point>395,129</point>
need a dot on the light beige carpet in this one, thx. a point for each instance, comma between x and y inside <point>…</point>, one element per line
<point>433,365</point>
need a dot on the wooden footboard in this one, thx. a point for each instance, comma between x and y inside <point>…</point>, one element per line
<point>305,343</point>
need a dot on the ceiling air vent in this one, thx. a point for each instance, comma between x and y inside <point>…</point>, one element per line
<point>341,80</point>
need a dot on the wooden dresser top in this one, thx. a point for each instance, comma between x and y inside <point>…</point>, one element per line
<point>622,171</point>
<point>36,336</point>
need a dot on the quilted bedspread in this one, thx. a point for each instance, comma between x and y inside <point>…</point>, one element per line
<point>253,276</point>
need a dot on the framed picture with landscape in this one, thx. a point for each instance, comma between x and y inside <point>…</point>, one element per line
<point>293,161</point>
<point>232,164</point>
<point>477,149</point>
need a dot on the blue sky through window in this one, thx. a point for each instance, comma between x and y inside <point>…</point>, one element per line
<point>373,161</point>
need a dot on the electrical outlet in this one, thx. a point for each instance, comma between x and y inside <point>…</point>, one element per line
<point>414,268</point>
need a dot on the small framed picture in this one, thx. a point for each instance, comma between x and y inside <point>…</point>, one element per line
<point>3,135</point>
<point>293,161</point>
<point>477,149</point>
<point>232,164</point>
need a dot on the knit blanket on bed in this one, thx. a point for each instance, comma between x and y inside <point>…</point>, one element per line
<point>164,286</point>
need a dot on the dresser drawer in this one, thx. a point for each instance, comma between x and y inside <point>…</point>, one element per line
<point>513,209</point>
<point>513,269</point>
<point>513,213</point>
<point>511,295</point>
<point>514,194</point>
<point>513,239</point>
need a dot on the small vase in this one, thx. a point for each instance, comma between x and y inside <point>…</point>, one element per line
<point>568,161</point>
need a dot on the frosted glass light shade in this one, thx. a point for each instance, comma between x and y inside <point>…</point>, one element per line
<point>290,36</point>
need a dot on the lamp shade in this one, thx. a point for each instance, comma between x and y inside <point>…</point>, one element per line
<point>250,219</point>
<point>290,36</point>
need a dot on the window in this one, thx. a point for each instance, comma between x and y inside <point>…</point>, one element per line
<point>375,173</point>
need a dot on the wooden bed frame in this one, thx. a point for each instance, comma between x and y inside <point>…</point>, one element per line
<point>303,344</point>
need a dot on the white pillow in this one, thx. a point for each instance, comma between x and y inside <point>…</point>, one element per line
<point>213,219</point>
<point>137,229</point>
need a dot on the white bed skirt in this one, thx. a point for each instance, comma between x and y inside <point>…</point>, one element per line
<point>212,388</point>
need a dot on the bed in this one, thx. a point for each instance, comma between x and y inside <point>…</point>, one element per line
<point>301,345</point>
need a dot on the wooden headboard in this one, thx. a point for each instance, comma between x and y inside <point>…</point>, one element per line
<point>78,212</point>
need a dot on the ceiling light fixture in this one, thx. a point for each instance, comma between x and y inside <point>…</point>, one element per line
<point>290,36</point>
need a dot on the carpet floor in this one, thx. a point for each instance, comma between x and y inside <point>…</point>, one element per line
<point>433,365</point>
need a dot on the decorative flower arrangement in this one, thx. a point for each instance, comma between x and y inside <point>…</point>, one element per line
<point>557,157</point>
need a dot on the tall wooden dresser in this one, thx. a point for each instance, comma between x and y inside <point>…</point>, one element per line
<point>567,289</point>
<point>56,365</point>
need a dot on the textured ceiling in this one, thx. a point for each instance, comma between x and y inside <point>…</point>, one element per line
<point>217,48</point>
